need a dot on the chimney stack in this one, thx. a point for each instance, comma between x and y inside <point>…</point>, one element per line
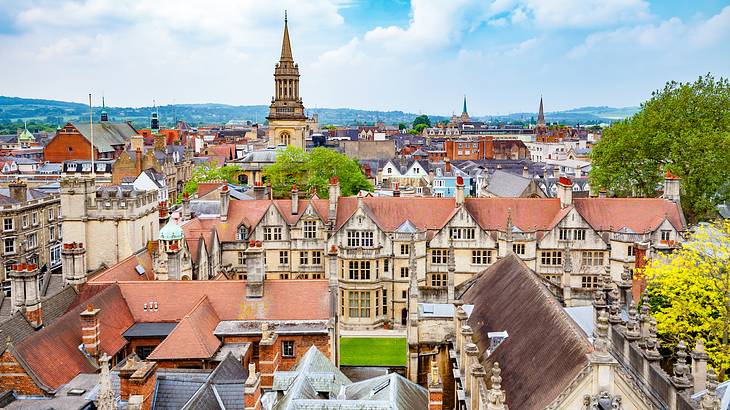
<point>525,172</point>
<point>435,387</point>
<point>447,165</point>
<point>259,191</point>
<point>138,161</point>
<point>186,214</point>
<point>254,269</point>
<point>602,192</point>
<point>160,142</point>
<point>137,381</point>
<point>565,192</point>
<point>90,331</point>
<point>294,200</point>
<point>459,191</point>
<point>252,389</point>
<point>24,281</point>
<point>396,191</point>
<point>136,143</point>
<point>225,198</point>
<point>671,187</point>
<point>18,190</point>
<point>334,194</point>
<point>73,255</point>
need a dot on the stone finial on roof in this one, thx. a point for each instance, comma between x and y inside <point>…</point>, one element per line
<point>599,299</point>
<point>709,400</point>
<point>626,277</point>
<point>434,378</point>
<point>496,397</point>
<point>651,345</point>
<point>265,332</point>
<point>106,399</point>
<point>567,261</point>
<point>606,279</point>
<point>632,325</point>
<point>680,368</point>
<point>600,341</point>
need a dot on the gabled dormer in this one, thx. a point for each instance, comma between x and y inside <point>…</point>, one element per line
<point>390,170</point>
<point>272,226</point>
<point>569,227</point>
<point>463,231</point>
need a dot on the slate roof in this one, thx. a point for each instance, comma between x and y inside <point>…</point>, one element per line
<point>545,349</point>
<point>149,329</point>
<point>106,134</point>
<point>507,184</point>
<point>199,389</point>
<point>30,194</point>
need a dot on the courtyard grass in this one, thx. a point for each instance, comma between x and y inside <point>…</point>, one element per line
<point>373,351</point>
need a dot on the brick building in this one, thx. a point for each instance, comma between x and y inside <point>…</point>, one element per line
<point>73,141</point>
<point>484,147</point>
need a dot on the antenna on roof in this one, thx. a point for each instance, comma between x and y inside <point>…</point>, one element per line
<point>91,127</point>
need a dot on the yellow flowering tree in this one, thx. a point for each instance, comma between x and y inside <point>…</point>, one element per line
<point>689,293</point>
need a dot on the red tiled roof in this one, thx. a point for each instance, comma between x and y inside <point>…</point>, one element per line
<point>125,269</point>
<point>53,353</point>
<point>390,212</point>
<point>247,212</point>
<point>193,337</point>
<point>284,206</point>
<point>528,214</point>
<point>638,214</point>
<point>205,188</point>
<point>282,300</point>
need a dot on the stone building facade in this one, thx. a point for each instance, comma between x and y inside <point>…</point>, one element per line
<point>31,228</point>
<point>118,221</point>
<point>372,245</point>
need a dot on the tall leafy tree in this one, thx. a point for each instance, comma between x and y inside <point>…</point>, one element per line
<point>689,293</point>
<point>314,170</point>
<point>421,119</point>
<point>685,128</point>
<point>207,172</point>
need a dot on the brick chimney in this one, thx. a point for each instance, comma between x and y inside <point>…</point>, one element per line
<point>252,389</point>
<point>160,142</point>
<point>396,191</point>
<point>138,378</point>
<point>269,356</point>
<point>447,165</point>
<point>294,200</point>
<point>225,198</point>
<point>138,161</point>
<point>565,192</point>
<point>18,190</point>
<point>90,331</point>
<point>259,191</point>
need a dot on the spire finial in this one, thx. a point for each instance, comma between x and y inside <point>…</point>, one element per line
<point>286,19</point>
<point>286,54</point>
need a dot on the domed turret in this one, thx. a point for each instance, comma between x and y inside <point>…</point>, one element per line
<point>171,232</point>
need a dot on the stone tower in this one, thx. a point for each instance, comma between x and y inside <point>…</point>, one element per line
<point>287,122</point>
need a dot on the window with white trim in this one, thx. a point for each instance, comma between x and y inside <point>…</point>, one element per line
<point>9,246</point>
<point>439,256</point>
<point>272,233</point>
<point>8,224</point>
<point>310,229</point>
<point>287,348</point>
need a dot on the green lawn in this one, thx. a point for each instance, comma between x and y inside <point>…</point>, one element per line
<point>373,351</point>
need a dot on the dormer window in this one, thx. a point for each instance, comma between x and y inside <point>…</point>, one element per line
<point>242,233</point>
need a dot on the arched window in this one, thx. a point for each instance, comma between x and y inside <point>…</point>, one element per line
<point>285,138</point>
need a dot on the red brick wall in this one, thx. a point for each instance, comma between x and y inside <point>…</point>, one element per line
<point>69,146</point>
<point>301,345</point>
<point>14,377</point>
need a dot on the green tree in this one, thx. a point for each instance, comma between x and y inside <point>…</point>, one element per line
<point>209,172</point>
<point>421,119</point>
<point>419,128</point>
<point>689,293</point>
<point>685,128</point>
<point>402,126</point>
<point>314,170</point>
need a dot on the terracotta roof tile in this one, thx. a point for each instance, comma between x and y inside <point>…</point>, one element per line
<point>528,214</point>
<point>282,300</point>
<point>204,188</point>
<point>52,353</point>
<point>125,270</point>
<point>639,214</point>
<point>193,337</point>
<point>389,213</point>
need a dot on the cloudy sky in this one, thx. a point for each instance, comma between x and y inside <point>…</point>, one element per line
<point>417,56</point>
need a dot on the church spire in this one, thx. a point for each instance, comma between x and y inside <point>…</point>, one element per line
<point>286,43</point>
<point>464,111</point>
<point>541,115</point>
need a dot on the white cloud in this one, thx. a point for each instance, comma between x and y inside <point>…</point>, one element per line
<point>671,35</point>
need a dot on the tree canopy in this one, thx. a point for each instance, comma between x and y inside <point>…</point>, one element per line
<point>209,172</point>
<point>421,119</point>
<point>685,128</point>
<point>314,169</point>
<point>689,293</point>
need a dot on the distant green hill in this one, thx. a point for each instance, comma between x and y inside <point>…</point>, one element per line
<point>53,113</point>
